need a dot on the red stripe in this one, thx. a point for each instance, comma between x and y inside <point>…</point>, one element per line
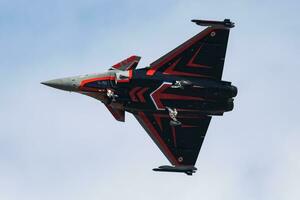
<point>201,35</point>
<point>158,95</point>
<point>123,81</point>
<point>131,59</point>
<point>132,94</point>
<point>170,70</point>
<point>117,113</point>
<point>161,143</point>
<point>191,61</point>
<point>130,74</point>
<point>83,82</point>
<point>124,62</point>
<point>140,95</point>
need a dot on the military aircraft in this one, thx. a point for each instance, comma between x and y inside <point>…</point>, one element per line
<point>173,99</point>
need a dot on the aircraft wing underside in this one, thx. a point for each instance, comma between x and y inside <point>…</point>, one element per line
<point>180,144</point>
<point>201,56</point>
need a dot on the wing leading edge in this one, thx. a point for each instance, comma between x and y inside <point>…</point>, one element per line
<point>180,144</point>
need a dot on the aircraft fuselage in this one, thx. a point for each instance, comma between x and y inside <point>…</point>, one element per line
<point>134,90</point>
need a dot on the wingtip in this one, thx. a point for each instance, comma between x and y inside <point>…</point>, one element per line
<point>225,23</point>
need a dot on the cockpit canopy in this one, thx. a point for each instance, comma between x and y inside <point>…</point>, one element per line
<point>100,84</point>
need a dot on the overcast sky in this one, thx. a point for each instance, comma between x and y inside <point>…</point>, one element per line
<point>65,146</point>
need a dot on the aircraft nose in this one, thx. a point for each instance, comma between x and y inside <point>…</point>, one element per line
<point>68,84</point>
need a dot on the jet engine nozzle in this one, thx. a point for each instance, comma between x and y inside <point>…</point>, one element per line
<point>234,91</point>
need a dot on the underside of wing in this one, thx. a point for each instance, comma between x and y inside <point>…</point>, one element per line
<point>201,56</point>
<point>180,144</point>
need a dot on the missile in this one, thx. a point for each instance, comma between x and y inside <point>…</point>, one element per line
<point>189,170</point>
<point>226,23</point>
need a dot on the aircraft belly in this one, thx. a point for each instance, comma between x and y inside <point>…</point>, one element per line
<point>155,95</point>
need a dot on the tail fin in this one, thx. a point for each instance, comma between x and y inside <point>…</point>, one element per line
<point>127,64</point>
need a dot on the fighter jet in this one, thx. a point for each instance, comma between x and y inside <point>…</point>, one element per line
<point>174,98</point>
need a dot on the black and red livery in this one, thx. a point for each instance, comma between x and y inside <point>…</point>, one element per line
<point>174,98</point>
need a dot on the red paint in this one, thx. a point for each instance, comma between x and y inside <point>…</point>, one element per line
<point>184,46</point>
<point>170,70</point>
<point>132,94</point>
<point>150,72</point>
<point>123,81</point>
<point>131,60</point>
<point>159,94</point>
<point>141,96</point>
<point>159,140</point>
<point>83,82</point>
<point>191,61</point>
<point>117,113</point>
<point>130,74</point>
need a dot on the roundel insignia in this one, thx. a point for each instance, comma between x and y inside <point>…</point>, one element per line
<point>180,159</point>
<point>212,34</point>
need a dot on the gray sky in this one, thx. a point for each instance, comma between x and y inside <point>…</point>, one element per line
<point>60,145</point>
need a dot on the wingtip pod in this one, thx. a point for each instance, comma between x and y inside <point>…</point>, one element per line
<point>189,170</point>
<point>226,23</point>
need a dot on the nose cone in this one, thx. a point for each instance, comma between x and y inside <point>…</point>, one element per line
<point>67,84</point>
